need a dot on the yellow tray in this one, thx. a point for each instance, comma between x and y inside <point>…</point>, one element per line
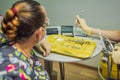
<point>71,46</point>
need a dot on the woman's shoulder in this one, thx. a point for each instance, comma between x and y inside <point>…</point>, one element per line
<point>14,65</point>
<point>7,54</point>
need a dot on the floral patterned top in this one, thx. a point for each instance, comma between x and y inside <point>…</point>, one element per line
<point>16,66</point>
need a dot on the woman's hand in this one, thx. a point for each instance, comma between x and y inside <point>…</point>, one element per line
<point>44,47</point>
<point>80,22</point>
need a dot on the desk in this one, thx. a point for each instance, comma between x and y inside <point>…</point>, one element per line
<point>62,58</point>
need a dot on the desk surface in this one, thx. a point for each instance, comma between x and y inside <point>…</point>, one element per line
<point>63,58</point>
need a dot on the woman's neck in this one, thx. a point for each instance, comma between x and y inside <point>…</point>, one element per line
<point>25,48</point>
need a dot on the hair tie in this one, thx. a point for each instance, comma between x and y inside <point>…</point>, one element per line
<point>15,11</point>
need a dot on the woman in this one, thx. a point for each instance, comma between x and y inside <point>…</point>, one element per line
<point>23,26</point>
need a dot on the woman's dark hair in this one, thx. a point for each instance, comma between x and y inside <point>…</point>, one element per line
<point>23,19</point>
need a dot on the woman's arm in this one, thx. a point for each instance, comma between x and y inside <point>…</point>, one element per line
<point>111,34</point>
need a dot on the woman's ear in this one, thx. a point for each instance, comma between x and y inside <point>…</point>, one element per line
<point>38,34</point>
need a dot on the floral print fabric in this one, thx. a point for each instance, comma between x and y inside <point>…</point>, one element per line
<point>16,66</point>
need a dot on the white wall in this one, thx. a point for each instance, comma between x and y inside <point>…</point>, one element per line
<point>104,14</point>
